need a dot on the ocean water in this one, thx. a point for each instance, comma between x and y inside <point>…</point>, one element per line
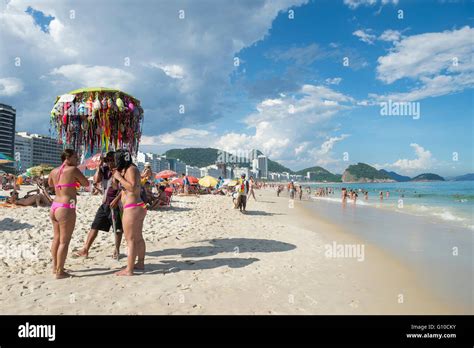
<point>432,233</point>
<point>444,201</point>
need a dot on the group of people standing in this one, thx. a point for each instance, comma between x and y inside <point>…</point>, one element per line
<point>121,207</point>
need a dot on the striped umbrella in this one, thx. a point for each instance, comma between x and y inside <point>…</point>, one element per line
<point>5,159</point>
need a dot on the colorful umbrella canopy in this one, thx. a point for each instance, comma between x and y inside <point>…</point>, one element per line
<point>179,181</point>
<point>38,170</point>
<point>229,182</point>
<point>208,181</point>
<point>91,163</point>
<point>98,118</point>
<point>5,159</point>
<point>165,174</point>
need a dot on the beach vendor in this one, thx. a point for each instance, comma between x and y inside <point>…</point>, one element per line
<point>242,190</point>
<point>108,214</point>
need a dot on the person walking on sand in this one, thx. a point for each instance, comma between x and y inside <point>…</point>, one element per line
<point>291,189</point>
<point>65,179</point>
<point>134,211</point>
<point>243,189</point>
<point>251,189</point>
<point>108,213</point>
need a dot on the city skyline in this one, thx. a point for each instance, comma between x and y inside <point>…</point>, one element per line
<point>275,78</point>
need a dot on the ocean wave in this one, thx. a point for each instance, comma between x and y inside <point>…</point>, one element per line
<point>448,216</point>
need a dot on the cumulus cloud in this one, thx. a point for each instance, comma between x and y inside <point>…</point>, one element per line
<point>423,161</point>
<point>428,55</point>
<point>283,128</point>
<point>10,86</point>
<point>323,155</point>
<point>194,54</point>
<point>439,64</point>
<point>100,76</point>
<point>353,4</point>
<point>181,137</point>
<point>365,36</point>
<point>390,35</point>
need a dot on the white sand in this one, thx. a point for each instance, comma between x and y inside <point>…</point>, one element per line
<point>204,257</point>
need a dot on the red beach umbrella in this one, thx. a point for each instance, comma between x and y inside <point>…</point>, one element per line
<point>165,174</point>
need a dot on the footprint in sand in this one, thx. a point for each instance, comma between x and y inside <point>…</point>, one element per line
<point>354,304</point>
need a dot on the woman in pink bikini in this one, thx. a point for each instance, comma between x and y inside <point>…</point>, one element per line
<point>134,211</point>
<point>65,180</point>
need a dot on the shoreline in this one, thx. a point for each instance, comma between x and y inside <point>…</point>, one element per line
<point>431,267</point>
<point>204,257</point>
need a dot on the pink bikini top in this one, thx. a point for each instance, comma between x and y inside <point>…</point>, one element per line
<point>76,184</point>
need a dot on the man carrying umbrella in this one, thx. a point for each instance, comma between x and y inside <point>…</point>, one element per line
<point>242,190</point>
<point>108,214</point>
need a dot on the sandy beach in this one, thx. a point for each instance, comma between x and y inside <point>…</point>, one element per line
<point>204,257</point>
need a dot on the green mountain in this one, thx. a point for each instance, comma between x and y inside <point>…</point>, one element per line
<point>428,177</point>
<point>197,157</point>
<point>362,172</point>
<point>320,174</point>
<point>396,176</point>
<point>202,157</point>
<point>465,177</point>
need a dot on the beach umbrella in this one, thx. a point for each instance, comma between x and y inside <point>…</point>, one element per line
<point>37,170</point>
<point>179,181</point>
<point>91,163</point>
<point>94,118</point>
<point>5,159</point>
<point>208,181</point>
<point>165,174</point>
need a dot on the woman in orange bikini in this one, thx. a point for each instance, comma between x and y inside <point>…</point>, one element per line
<point>134,211</point>
<point>65,180</point>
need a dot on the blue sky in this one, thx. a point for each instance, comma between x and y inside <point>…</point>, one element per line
<point>290,96</point>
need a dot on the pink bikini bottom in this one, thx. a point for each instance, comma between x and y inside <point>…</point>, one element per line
<point>57,205</point>
<point>133,205</point>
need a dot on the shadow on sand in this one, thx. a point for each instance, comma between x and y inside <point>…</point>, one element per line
<point>226,245</point>
<point>8,224</point>
<point>173,266</point>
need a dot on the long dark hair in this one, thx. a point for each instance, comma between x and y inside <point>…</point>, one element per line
<point>66,154</point>
<point>123,159</point>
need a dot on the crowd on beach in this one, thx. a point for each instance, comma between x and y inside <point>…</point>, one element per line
<point>127,194</point>
<point>296,190</point>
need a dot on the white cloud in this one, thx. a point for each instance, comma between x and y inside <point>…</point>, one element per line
<point>365,36</point>
<point>427,55</point>
<point>390,35</point>
<point>173,70</point>
<point>98,76</point>
<point>322,156</point>
<point>284,128</point>
<point>181,137</point>
<point>423,161</point>
<point>439,63</point>
<point>353,4</point>
<point>10,86</point>
<point>195,54</point>
<point>334,81</point>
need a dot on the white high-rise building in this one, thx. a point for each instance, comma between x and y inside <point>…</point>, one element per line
<point>262,166</point>
<point>193,171</point>
<point>37,149</point>
<point>24,151</point>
